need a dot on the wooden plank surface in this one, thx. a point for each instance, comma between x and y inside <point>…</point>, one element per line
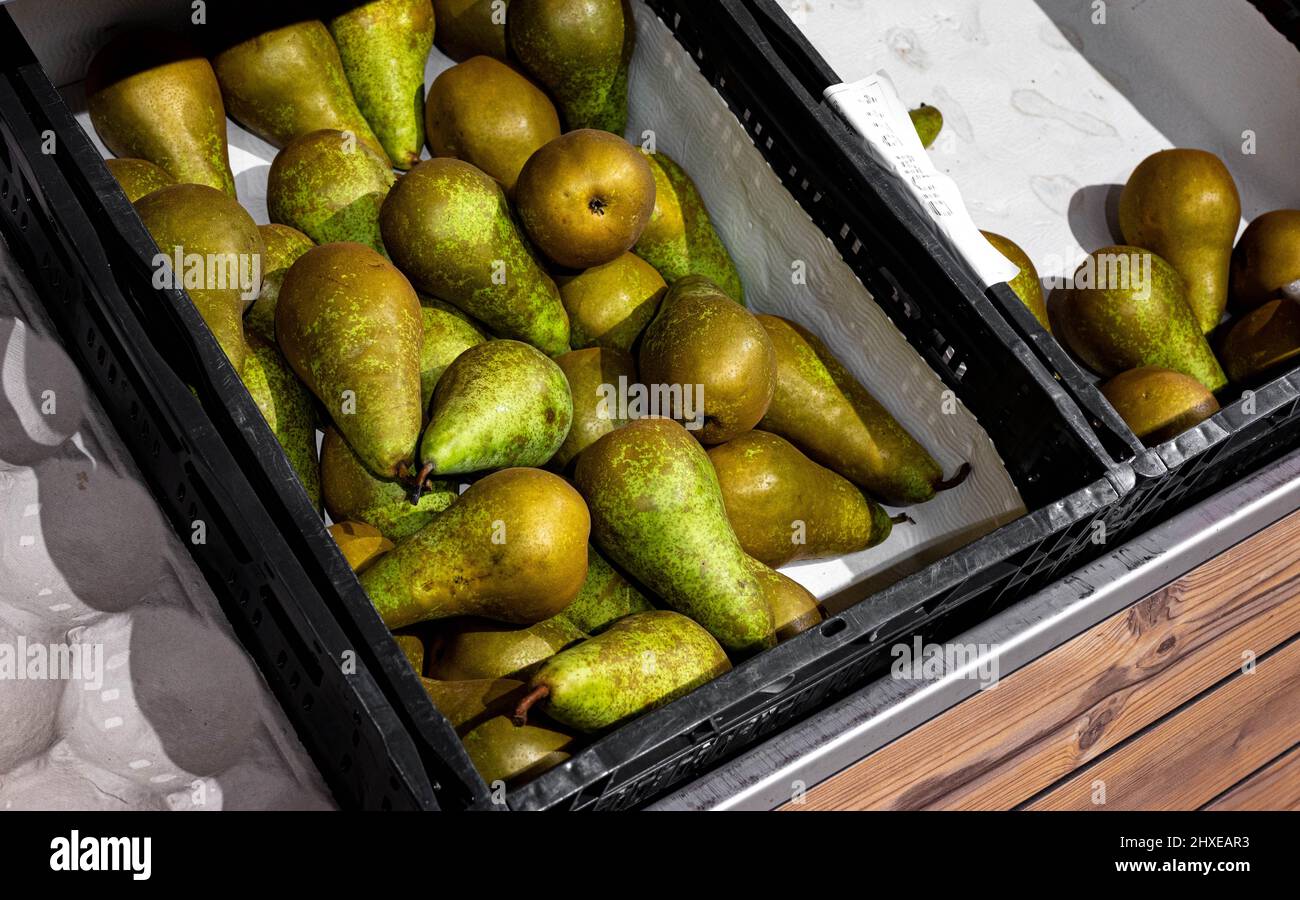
<point>1004,746</point>
<point>1274,786</point>
<point>1189,759</point>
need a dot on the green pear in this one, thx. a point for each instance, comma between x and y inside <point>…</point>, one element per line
<point>606,597</point>
<point>928,122</point>
<point>657,512</point>
<point>610,305</point>
<point>638,664</point>
<point>289,82</point>
<point>1025,285</point>
<point>498,404</point>
<point>283,247</point>
<point>466,704</point>
<point>471,28</point>
<point>352,493</point>
<point>349,324</point>
<point>1128,308</point>
<point>449,227</point>
<point>522,120</point>
<point>329,186</point>
<point>153,97</point>
<point>448,333</point>
<point>579,50</point>
<point>705,343</point>
<point>138,177</point>
<point>680,238</point>
<point>287,407</point>
<point>503,753</point>
<point>384,46</point>
<point>824,411</point>
<point>472,648</point>
<point>221,252</point>
<point>783,506</point>
<point>595,375</point>
<point>794,608</point>
<point>513,548</point>
<point>1184,206</point>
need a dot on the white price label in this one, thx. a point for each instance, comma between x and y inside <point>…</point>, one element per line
<point>875,111</point>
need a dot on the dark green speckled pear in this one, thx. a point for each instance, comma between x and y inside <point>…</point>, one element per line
<point>1128,308</point>
<point>288,82</point>
<point>153,97</point>
<point>824,411</point>
<point>502,403</point>
<point>448,333</point>
<point>594,374</point>
<point>468,647</point>
<point>606,597</point>
<point>513,548</point>
<point>471,28</point>
<point>657,512</point>
<point>349,324</point>
<point>680,239</point>
<point>353,493</point>
<point>448,226</point>
<point>287,407</point>
<point>579,50</point>
<point>638,664</point>
<point>207,224</point>
<point>329,186</point>
<point>138,177</point>
<point>384,46</point>
<point>283,247</point>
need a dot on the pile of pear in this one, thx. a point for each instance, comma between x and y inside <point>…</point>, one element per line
<point>444,345</point>
<point>1213,311</point>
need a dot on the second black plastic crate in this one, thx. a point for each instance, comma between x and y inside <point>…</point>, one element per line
<point>1066,475</point>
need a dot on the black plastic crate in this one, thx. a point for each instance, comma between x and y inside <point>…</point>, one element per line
<point>209,456</point>
<point>1066,474</point>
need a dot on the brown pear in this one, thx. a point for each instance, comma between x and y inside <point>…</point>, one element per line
<point>824,411</point>
<point>220,252</point>
<point>1159,404</point>
<point>521,121</point>
<point>704,343</point>
<point>1266,263</point>
<point>290,81</point>
<point>794,608</point>
<point>468,647</point>
<point>1183,205</point>
<point>783,506</point>
<point>585,197</point>
<point>1261,340</point>
<point>153,97</point>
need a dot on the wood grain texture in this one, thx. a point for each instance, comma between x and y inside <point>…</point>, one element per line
<point>1191,758</point>
<point>1274,786</point>
<point>1004,746</point>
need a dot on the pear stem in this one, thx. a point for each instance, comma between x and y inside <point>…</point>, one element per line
<point>520,718</point>
<point>962,474</point>
<point>421,477</point>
